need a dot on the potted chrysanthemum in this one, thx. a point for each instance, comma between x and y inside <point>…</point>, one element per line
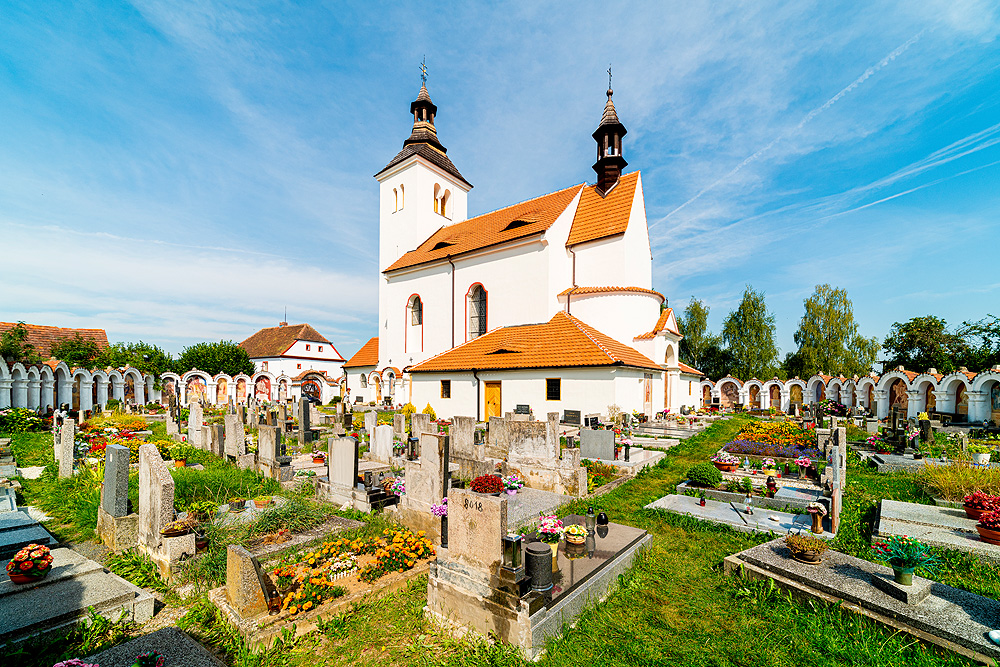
<point>30,564</point>
<point>513,484</point>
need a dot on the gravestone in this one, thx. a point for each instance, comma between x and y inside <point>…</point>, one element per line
<point>303,421</point>
<point>571,417</point>
<point>420,424</point>
<point>245,590</point>
<point>268,444</point>
<point>498,438</point>
<point>67,444</point>
<point>207,434</point>
<point>342,462</point>
<point>195,419</point>
<point>236,442</point>
<point>522,409</point>
<point>597,444</point>
<point>348,421</point>
<point>381,444</point>
<point>477,524</point>
<point>463,433</point>
<point>115,494</point>
<point>370,422</point>
<point>218,440</point>
<point>156,496</point>
<point>398,425</point>
<point>173,428</point>
<point>282,412</point>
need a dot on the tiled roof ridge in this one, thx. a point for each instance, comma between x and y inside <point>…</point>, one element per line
<point>366,350</point>
<point>519,203</point>
<point>598,289</point>
<point>577,323</point>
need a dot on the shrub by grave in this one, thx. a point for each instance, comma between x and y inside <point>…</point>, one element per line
<point>704,474</point>
<point>487,484</point>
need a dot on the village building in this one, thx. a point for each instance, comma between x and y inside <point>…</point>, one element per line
<point>298,355</point>
<point>552,292</point>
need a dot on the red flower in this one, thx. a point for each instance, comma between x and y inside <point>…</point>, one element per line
<point>27,565</point>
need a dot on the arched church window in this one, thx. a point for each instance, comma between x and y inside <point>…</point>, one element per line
<point>416,310</point>
<point>477,311</point>
<point>395,200</point>
<point>402,197</point>
<point>364,381</point>
<point>446,204</point>
<point>437,197</point>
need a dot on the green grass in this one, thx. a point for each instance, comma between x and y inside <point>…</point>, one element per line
<point>90,636</point>
<point>675,606</point>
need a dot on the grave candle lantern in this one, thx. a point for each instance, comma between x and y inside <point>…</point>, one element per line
<point>512,552</point>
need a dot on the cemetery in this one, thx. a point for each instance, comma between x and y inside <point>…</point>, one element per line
<point>507,529</point>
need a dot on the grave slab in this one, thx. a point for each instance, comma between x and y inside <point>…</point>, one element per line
<point>944,527</point>
<point>758,522</point>
<point>954,618</point>
<point>178,648</point>
<point>64,596</point>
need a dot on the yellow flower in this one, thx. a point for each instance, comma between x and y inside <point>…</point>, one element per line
<point>294,609</point>
<point>307,606</point>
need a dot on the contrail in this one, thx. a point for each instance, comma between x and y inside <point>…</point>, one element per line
<point>895,53</point>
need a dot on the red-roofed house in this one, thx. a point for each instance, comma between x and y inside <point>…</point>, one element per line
<point>447,280</point>
<point>294,350</point>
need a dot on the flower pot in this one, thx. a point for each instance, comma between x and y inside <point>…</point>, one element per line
<point>575,539</point>
<point>981,459</point>
<point>28,578</point>
<point>200,543</point>
<point>903,575</point>
<point>808,557</point>
<point>989,535</point>
<point>555,552</point>
<point>180,463</point>
<point>771,472</point>
<point>817,526</point>
<point>319,461</point>
<point>175,532</point>
<point>802,471</point>
<point>261,504</point>
<point>973,513</point>
<point>511,492</point>
<point>725,467</point>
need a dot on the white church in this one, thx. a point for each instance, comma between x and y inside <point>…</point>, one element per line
<point>547,303</point>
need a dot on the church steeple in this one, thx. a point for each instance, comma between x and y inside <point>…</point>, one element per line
<point>424,110</point>
<point>608,136</point>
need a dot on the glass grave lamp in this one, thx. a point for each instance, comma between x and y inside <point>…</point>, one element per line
<point>512,552</point>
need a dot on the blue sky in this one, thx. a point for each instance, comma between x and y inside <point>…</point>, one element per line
<point>177,172</point>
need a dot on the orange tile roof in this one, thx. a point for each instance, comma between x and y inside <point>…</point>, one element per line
<point>366,356</point>
<point>661,325</point>
<point>489,229</point>
<point>598,217</point>
<point>43,337</point>
<point>687,369</point>
<point>563,341</point>
<point>600,290</point>
<point>275,341</point>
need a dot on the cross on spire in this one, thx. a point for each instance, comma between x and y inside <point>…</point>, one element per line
<point>609,76</point>
<point>423,70</point>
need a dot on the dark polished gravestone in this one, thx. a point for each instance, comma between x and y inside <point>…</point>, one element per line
<point>571,417</point>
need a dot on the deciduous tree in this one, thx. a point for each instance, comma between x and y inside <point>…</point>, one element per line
<point>924,342</point>
<point>76,351</point>
<point>213,358</point>
<point>749,336</point>
<point>828,338</point>
<point>697,339</point>
<point>147,358</point>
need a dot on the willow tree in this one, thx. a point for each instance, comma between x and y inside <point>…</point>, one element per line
<point>828,337</point>
<point>749,336</point>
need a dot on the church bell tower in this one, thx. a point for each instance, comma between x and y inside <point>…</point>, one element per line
<point>608,136</point>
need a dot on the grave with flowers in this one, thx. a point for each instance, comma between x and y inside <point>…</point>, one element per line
<point>267,594</point>
<point>522,588</point>
<point>890,594</point>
